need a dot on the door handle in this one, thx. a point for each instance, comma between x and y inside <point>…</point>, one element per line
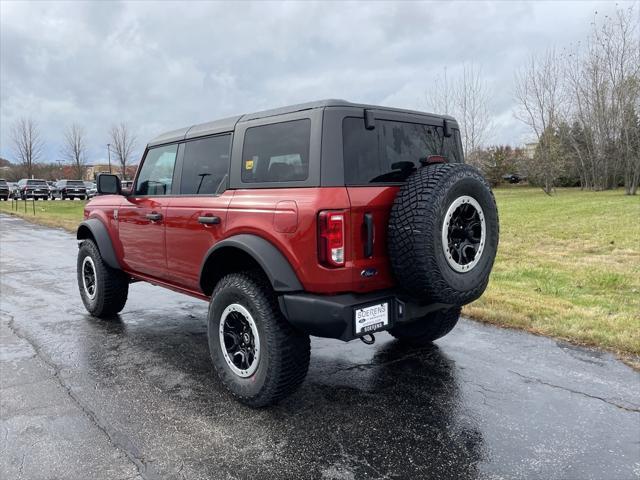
<point>368,225</point>
<point>153,216</point>
<point>209,220</point>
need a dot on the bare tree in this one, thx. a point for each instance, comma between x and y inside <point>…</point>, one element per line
<point>122,144</point>
<point>471,97</point>
<point>538,93</point>
<point>439,96</point>
<point>27,143</point>
<point>603,82</point>
<point>74,149</point>
<point>465,97</point>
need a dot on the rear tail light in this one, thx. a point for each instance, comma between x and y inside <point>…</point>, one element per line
<point>331,238</point>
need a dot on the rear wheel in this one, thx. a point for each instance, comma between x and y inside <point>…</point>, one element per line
<point>103,289</point>
<point>432,326</point>
<point>259,357</point>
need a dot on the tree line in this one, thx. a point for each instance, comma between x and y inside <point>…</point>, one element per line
<point>28,146</point>
<point>581,104</point>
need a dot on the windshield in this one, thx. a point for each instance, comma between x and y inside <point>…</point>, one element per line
<point>37,182</point>
<point>392,150</point>
<point>3,183</point>
<point>78,183</point>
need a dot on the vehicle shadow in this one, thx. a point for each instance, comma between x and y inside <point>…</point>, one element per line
<point>363,412</point>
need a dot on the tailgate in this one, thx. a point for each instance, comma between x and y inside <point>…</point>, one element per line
<point>370,207</point>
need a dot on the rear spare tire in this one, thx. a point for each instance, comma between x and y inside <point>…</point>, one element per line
<point>443,234</point>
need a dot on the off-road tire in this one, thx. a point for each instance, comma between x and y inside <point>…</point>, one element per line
<point>415,234</point>
<point>424,330</point>
<point>284,352</point>
<point>112,285</point>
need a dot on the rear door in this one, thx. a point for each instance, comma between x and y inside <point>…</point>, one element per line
<point>196,217</point>
<point>141,216</point>
<point>377,162</point>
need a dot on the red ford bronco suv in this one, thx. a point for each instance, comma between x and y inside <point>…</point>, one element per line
<point>329,218</point>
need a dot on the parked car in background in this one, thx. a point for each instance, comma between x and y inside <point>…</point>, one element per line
<point>14,190</point>
<point>5,190</point>
<point>71,189</point>
<point>52,189</point>
<point>91,189</point>
<point>126,184</point>
<point>33,188</point>
<point>514,178</point>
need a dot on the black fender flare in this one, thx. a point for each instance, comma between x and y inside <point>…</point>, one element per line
<point>94,228</point>
<point>271,260</point>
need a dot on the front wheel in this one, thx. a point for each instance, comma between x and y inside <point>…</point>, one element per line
<point>424,330</point>
<point>259,357</point>
<point>103,289</point>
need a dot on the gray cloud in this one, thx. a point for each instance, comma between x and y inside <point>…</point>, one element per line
<point>163,65</point>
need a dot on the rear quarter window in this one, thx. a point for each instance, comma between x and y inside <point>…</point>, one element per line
<point>392,151</point>
<point>277,152</point>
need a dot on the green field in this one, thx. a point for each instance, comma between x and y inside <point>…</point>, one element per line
<point>53,213</point>
<point>568,266</point>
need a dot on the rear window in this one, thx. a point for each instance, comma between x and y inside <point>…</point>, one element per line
<point>277,153</point>
<point>37,182</point>
<point>392,151</point>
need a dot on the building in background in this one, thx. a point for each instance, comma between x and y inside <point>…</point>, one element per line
<point>530,150</point>
<point>92,171</point>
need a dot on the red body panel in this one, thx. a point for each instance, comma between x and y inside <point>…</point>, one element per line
<point>143,240</point>
<point>377,201</point>
<point>257,212</point>
<point>188,241</point>
<point>171,251</point>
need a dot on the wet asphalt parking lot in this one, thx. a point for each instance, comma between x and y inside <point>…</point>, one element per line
<point>136,397</point>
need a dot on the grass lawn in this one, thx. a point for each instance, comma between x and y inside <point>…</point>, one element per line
<point>568,266</point>
<point>53,213</point>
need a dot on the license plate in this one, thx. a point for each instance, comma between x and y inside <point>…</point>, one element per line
<point>372,318</point>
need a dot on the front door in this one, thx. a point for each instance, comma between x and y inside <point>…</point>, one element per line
<point>142,216</point>
<point>196,218</point>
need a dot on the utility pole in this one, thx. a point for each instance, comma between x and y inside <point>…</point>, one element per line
<point>109,155</point>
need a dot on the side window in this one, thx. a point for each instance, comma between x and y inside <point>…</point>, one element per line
<point>206,165</point>
<point>277,153</point>
<point>157,171</point>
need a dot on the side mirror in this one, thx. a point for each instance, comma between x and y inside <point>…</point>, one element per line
<point>108,184</point>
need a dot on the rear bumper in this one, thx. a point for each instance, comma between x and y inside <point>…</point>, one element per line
<point>332,316</point>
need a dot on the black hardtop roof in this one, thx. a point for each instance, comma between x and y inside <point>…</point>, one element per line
<point>229,123</point>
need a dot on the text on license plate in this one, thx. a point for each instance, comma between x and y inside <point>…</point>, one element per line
<point>372,318</point>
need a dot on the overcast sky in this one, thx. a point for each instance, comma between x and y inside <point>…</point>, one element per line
<point>159,66</point>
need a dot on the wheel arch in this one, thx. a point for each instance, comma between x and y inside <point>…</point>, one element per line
<point>94,229</point>
<point>245,252</point>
